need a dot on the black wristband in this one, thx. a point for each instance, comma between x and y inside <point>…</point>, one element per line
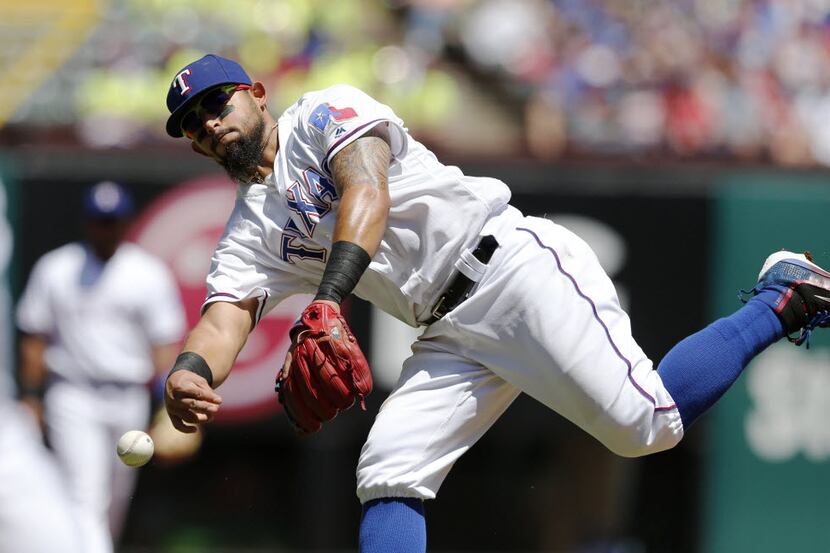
<point>195,363</point>
<point>346,265</point>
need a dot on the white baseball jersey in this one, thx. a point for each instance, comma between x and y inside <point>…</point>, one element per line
<point>543,318</point>
<point>277,240</point>
<point>101,318</point>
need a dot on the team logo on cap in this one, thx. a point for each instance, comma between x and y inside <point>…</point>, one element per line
<point>181,81</point>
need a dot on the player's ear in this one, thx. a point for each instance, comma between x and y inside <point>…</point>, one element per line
<point>259,95</point>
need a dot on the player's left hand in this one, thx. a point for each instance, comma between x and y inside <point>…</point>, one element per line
<point>189,400</point>
<point>325,371</point>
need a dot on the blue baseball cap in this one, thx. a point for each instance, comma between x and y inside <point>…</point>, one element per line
<point>195,78</point>
<point>107,200</point>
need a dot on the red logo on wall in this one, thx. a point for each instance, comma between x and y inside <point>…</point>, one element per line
<point>182,227</point>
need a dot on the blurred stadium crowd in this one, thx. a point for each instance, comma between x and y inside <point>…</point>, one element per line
<point>742,80</point>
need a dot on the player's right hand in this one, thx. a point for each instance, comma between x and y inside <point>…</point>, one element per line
<point>190,401</point>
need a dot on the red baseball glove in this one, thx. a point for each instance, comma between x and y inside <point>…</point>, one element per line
<point>325,371</point>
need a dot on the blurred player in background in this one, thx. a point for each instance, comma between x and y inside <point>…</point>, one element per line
<point>99,319</point>
<point>35,515</point>
<point>336,197</point>
<point>35,512</point>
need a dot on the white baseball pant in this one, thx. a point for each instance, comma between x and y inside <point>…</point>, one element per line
<point>85,422</point>
<point>35,516</point>
<point>544,320</point>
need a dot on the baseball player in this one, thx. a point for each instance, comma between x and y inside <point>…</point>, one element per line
<point>335,197</point>
<point>35,515</point>
<point>99,318</point>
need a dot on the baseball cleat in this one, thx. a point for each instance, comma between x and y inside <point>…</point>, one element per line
<point>804,302</point>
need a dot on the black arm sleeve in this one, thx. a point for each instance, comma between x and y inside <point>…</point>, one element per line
<point>346,265</point>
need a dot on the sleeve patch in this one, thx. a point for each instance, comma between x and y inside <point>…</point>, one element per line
<point>322,114</point>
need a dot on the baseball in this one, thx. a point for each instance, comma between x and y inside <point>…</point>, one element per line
<point>135,448</point>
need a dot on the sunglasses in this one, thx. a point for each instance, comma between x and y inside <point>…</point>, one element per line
<point>211,103</point>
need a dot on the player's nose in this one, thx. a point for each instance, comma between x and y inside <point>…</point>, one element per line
<point>210,123</point>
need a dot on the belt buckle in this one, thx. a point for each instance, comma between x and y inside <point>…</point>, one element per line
<point>436,310</point>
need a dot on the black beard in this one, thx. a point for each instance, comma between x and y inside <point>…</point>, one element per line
<point>242,156</point>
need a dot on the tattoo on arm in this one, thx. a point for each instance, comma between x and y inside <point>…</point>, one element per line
<point>363,162</point>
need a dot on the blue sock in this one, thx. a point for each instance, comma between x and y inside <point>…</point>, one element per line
<point>699,369</point>
<point>393,524</point>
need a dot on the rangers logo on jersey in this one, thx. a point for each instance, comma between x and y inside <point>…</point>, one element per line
<point>311,199</point>
<point>324,113</point>
<point>293,247</point>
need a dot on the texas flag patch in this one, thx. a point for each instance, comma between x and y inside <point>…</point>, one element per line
<point>323,113</point>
